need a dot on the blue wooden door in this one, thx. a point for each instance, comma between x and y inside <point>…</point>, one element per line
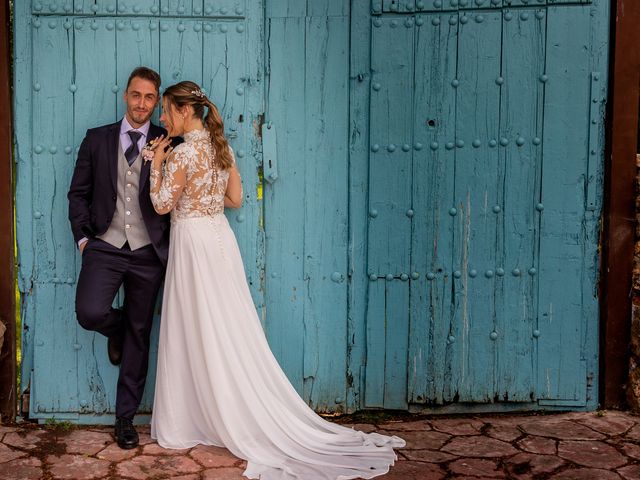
<point>423,186</point>
<point>485,172</point>
<point>73,59</point>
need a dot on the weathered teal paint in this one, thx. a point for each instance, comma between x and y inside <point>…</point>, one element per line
<point>429,232</point>
<point>72,64</point>
<point>485,204</point>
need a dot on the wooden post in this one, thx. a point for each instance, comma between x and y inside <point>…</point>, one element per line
<point>619,218</point>
<point>7,279</point>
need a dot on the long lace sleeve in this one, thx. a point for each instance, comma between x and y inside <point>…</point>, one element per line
<point>168,182</point>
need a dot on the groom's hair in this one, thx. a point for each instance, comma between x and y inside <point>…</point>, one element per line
<point>147,74</point>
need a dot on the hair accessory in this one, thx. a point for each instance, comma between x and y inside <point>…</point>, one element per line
<point>198,93</point>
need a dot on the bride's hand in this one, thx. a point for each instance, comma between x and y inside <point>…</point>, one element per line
<point>161,150</point>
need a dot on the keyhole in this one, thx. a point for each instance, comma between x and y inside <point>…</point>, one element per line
<point>431,123</point>
<point>270,164</point>
<point>241,118</point>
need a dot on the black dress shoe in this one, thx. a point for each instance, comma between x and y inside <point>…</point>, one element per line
<point>125,433</point>
<point>114,349</point>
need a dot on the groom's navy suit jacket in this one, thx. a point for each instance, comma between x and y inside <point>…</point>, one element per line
<point>93,192</point>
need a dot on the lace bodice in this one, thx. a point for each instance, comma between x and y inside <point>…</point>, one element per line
<point>190,184</point>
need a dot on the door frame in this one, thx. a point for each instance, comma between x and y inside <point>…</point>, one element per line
<point>8,362</point>
<point>619,225</point>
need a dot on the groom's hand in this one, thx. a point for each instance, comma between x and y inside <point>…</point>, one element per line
<point>82,245</point>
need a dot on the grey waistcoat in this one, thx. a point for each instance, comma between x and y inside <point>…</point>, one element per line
<point>127,224</point>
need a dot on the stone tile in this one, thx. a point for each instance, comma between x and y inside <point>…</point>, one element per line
<point>527,465</point>
<point>415,471</point>
<point>225,473</point>
<point>562,430</point>
<point>476,467</point>
<point>209,456</point>
<point>363,427</point>
<point>114,453</point>
<point>429,456</point>
<point>86,442</point>
<point>631,450</point>
<point>591,454</point>
<point>540,445</point>
<point>4,430</point>
<point>21,469</point>
<point>7,454</point>
<point>146,466</point>
<point>145,439</point>
<point>611,423</point>
<point>144,429</point>
<point>479,447</point>
<point>586,474</point>
<point>425,440</point>
<point>630,472</point>
<point>77,467</point>
<point>420,425</point>
<point>506,433</point>
<point>155,449</point>
<point>634,434</point>
<point>24,439</point>
<point>458,426</point>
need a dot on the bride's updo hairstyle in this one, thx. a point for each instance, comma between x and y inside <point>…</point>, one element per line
<point>189,93</point>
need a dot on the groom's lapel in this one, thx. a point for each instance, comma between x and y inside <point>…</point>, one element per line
<point>113,143</point>
<point>154,132</point>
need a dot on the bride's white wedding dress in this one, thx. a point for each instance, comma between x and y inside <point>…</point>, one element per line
<point>217,381</point>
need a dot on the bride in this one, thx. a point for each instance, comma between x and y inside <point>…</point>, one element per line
<point>217,381</point>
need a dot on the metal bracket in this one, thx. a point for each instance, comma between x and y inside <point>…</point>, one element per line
<point>594,141</point>
<point>269,152</point>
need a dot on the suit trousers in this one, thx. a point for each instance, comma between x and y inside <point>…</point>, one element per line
<point>105,269</point>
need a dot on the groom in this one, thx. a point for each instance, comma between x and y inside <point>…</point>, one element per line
<point>122,241</point>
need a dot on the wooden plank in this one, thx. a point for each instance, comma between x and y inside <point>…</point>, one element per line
<point>137,43</point>
<point>478,4</point>
<point>325,210</point>
<point>591,307</point>
<point>23,151</point>
<point>521,102</point>
<point>476,196</point>
<point>398,6</point>
<point>428,5</point>
<point>98,89</point>
<point>92,7</point>
<point>226,80</point>
<point>619,217</point>
<point>181,7</point>
<point>54,353</point>
<point>360,83</point>
<point>40,7</point>
<point>249,153</point>
<point>390,140</point>
<point>284,246</point>
<point>53,160</point>
<point>8,358</point>
<point>396,344</point>
<point>181,47</point>
<point>376,344</point>
<point>97,92</point>
<point>285,8</point>
<point>224,8</point>
<point>563,196</point>
<point>328,8</point>
<point>138,7</point>
<point>433,186</point>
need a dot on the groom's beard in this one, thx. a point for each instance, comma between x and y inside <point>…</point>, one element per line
<point>141,116</point>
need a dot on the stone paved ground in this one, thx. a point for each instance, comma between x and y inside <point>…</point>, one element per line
<point>573,446</point>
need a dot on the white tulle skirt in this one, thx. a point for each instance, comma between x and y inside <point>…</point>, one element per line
<point>218,382</point>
